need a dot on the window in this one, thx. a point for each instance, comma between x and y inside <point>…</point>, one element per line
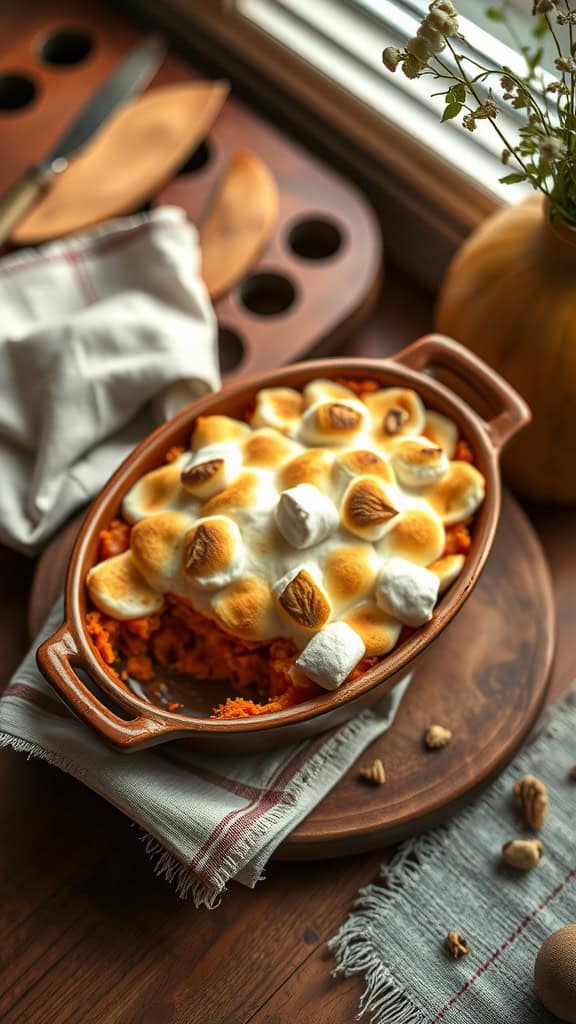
<point>434,182</point>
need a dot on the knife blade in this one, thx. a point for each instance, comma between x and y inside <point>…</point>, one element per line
<point>129,77</point>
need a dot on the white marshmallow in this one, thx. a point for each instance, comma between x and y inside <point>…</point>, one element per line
<point>442,431</point>
<point>418,462</point>
<point>305,516</point>
<point>406,591</point>
<point>331,654</point>
<point>224,459</point>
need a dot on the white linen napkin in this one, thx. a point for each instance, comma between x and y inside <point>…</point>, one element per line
<point>207,818</point>
<point>102,336</point>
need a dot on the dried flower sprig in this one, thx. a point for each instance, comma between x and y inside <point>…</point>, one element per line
<point>544,154</point>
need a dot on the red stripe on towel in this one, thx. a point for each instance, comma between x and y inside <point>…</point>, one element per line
<point>232,827</point>
<point>526,921</point>
<point>31,695</point>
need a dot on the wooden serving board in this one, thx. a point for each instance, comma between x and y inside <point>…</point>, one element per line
<point>485,678</point>
<point>319,275</point>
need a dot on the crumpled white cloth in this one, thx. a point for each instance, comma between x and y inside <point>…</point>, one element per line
<point>102,336</point>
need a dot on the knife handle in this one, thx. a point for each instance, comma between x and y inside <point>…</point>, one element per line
<point>16,202</point>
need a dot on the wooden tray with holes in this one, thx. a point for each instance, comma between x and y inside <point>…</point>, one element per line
<point>319,273</point>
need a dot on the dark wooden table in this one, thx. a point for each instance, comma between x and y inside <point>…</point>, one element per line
<point>90,935</point>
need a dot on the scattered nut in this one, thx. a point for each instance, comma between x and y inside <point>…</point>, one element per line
<point>374,773</point>
<point>532,794</point>
<point>573,772</point>
<point>437,736</point>
<point>523,854</point>
<point>457,945</point>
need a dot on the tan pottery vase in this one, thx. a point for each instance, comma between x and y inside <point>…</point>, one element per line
<point>510,296</point>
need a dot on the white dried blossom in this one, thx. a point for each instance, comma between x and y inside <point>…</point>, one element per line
<point>411,66</point>
<point>551,149</point>
<point>566,64</point>
<point>391,57</point>
<point>543,6</point>
<point>566,18</point>
<point>560,87</point>
<point>444,5</point>
<point>442,22</point>
<point>487,109</point>
<point>419,48</point>
<point>434,38</point>
<point>469,122</point>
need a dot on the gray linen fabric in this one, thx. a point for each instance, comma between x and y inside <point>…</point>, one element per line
<point>207,819</point>
<point>454,879</point>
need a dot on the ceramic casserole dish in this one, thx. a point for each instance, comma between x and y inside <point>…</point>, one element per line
<point>130,722</point>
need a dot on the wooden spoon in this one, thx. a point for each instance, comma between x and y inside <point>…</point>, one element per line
<point>239,222</point>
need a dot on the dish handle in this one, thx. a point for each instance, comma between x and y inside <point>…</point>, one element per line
<point>436,350</point>
<point>56,659</point>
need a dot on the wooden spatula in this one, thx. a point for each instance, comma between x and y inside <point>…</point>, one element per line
<point>239,222</point>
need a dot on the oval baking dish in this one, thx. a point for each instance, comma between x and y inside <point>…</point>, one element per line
<point>128,721</point>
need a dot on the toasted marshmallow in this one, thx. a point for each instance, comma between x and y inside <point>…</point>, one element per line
<point>313,466</point>
<point>305,516</point>
<point>213,553</point>
<point>156,545</point>
<point>211,469</point>
<point>378,630</point>
<point>217,430</point>
<point>249,491</point>
<point>458,494</point>
<point>367,508</point>
<point>418,462</point>
<point>322,390</point>
<point>406,591</point>
<point>331,654</point>
<point>267,448</point>
<point>333,423</point>
<point>157,491</point>
<point>302,599</point>
<point>117,589</point>
<point>280,408</point>
<point>360,462</point>
<point>246,610</point>
<point>395,411</point>
<point>417,535</point>
<point>447,569</point>
<point>441,431</point>
<point>349,573</point>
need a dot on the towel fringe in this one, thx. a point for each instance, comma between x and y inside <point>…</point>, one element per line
<point>66,764</point>
<point>185,882</point>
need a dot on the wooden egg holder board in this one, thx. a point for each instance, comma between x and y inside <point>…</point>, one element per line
<point>319,274</point>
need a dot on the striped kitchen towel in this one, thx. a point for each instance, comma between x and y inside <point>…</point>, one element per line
<point>206,819</point>
<point>454,879</point>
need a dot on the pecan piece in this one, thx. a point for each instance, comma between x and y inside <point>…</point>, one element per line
<point>457,945</point>
<point>374,773</point>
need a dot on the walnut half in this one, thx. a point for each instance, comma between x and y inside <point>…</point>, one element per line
<point>532,794</point>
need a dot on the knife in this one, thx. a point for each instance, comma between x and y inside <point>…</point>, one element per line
<point>129,77</point>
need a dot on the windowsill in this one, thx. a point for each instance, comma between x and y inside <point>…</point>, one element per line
<point>432,183</point>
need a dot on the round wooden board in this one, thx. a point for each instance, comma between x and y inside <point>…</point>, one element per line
<point>485,678</point>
